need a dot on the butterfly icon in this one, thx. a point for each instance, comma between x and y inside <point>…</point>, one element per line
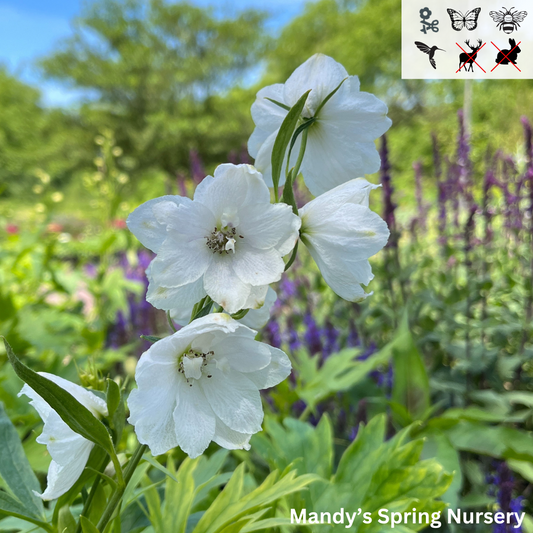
<point>460,21</point>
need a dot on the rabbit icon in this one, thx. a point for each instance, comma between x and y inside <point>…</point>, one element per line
<point>511,55</point>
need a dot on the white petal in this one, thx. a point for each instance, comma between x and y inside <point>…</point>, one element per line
<point>278,370</point>
<point>355,191</point>
<point>143,224</point>
<point>361,116</point>
<point>235,400</point>
<point>69,451</point>
<point>265,114</point>
<point>152,404</point>
<point>331,159</point>
<point>180,263</point>
<point>179,300</point>
<point>256,299</point>
<point>191,222</point>
<point>352,233</point>
<point>233,186</point>
<point>223,285</point>
<point>61,478</point>
<point>258,267</point>
<point>194,419</point>
<point>243,353</point>
<point>257,318</point>
<point>267,226</point>
<point>321,74</point>
<point>230,439</point>
<point>96,405</point>
<point>263,160</point>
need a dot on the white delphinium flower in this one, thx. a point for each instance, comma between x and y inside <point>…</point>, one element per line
<point>227,243</point>
<point>342,233</point>
<point>340,143</point>
<point>254,318</point>
<point>69,451</point>
<point>202,384</point>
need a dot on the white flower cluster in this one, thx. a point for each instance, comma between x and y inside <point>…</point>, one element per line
<point>226,246</point>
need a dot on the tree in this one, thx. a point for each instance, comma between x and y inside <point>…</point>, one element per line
<point>33,138</point>
<point>161,74</point>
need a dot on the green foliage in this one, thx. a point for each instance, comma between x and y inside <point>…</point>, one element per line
<point>371,474</point>
<point>284,138</point>
<point>72,412</point>
<point>18,475</point>
<point>159,70</point>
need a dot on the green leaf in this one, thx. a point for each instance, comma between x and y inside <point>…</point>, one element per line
<point>150,338</point>
<point>73,413</point>
<point>87,526</point>
<point>12,507</point>
<point>330,95</point>
<point>113,396</point>
<point>179,496</point>
<point>284,138</point>
<point>411,383</point>
<point>149,459</point>
<point>15,468</point>
<point>66,522</point>
<point>279,104</point>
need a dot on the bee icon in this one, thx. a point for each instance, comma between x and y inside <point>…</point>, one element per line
<point>508,20</point>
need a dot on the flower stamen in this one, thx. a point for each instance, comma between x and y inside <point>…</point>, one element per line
<point>223,240</point>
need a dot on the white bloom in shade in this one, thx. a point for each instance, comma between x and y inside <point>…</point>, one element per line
<point>202,384</point>
<point>69,451</point>
<point>227,243</point>
<point>342,233</point>
<point>340,144</point>
<point>255,318</point>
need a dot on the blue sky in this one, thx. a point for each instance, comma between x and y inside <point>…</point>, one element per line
<point>30,29</point>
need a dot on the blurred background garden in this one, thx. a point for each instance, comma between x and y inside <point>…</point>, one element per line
<point>139,98</point>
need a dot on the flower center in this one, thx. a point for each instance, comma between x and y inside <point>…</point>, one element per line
<point>223,240</point>
<point>192,364</point>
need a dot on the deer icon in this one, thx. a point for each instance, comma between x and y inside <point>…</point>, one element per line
<point>468,59</point>
<point>511,55</point>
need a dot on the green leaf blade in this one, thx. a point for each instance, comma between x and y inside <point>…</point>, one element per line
<point>73,413</point>
<point>284,138</point>
<point>15,469</point>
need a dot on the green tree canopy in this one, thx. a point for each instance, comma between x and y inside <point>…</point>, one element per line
<point>159,71</point>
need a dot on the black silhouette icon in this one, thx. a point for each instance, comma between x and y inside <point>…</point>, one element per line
<point>508,56</point>
<point>468,59</point>
<point>508,20</point>
<point>430,51</point>
<point>425,14</point>
<point>460,21</point>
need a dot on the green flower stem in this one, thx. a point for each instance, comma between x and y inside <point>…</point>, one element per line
<point>170,322</point>
<point>94,488</point>
<point>296,168</point>
<point>119,492</point>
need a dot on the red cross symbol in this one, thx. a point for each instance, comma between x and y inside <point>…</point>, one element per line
<point>505,56</point>
<point>470,56</point>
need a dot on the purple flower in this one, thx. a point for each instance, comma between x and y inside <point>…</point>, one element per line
<point>388,205</point>
<point>272,334</point>
<point>312,335</point>
<point>198,172</point>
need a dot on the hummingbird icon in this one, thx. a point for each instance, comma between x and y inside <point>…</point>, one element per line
<point>430,51</point>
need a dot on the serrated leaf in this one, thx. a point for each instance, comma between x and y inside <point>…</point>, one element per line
<point>15,469</point>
